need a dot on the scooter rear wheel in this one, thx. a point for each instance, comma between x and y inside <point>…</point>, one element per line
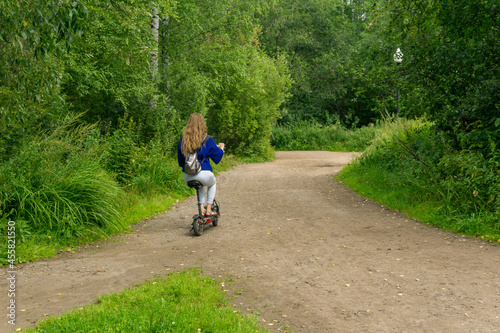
<point>198,226</point>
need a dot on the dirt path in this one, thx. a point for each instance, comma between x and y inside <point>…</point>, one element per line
<point>301,249</point>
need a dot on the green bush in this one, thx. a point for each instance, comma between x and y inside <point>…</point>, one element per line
<point>247,97</point>
<point>34,35</point>
<point>471,183</point>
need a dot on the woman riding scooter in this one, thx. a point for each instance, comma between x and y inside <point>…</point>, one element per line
<point>195,138</point>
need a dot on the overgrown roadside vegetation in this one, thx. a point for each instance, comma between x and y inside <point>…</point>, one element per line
<point>93,98</point>
<point>183,302</point>
<point>411,168</point>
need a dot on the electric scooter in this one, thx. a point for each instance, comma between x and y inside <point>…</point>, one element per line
<point>200,222</point>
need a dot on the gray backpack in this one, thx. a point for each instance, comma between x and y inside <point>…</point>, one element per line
<point>193,165</point>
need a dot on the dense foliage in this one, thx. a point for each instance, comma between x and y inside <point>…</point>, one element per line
<point>450,73</point>
<point>32,34</point>
<point>317,37</point>
<point>451,64</point>
<point>341,59</point>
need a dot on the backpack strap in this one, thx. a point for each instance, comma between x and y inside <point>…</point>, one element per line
<point>204,140</point>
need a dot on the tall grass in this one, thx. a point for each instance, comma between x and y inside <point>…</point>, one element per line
<point>183,302</point>
<point>57,185</point>
<point>77,195</point>
<point>411,167</point>
<point>155,171</point>
<point>56,188</point>
<point>313,136</point>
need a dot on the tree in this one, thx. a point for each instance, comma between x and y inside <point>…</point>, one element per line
<point>317,36</point>
<point>155,27</point>
<point>114,73</point>
<point>32,34</point>
<point>212,64</point>
<point>451,60</point>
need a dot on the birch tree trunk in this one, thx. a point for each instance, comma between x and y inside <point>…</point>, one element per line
<point>155,26</point>
<point>165,60</point>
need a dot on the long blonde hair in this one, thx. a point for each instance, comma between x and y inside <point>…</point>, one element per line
<point>194,133</point>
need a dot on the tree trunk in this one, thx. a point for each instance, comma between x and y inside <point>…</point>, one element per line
<point>165,60</point>
<point>155,25</point>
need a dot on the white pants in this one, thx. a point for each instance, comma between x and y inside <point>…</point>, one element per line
<point>207,178</point>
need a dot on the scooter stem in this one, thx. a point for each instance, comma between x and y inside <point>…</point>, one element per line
<point>199,204</point>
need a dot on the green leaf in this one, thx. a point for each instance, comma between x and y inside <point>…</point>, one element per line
<point>497,122</point>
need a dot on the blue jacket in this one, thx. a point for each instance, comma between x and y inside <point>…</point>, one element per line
<point>208,151</point>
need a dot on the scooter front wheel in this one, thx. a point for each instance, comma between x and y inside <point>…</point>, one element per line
<point>216,210</point>
<point>198,226</point>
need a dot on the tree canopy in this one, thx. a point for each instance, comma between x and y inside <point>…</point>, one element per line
<point>247,64</point>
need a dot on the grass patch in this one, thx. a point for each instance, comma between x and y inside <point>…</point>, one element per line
<point>386,188</point>
<point>182,302</point>
<point>138,207</point>
<point>422,204</point>
<point>312,136</point>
